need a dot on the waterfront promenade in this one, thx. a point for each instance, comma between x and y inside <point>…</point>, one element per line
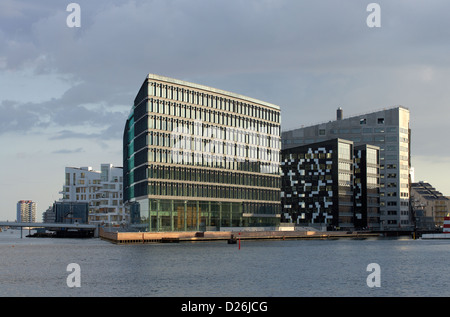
<point>151,237</point>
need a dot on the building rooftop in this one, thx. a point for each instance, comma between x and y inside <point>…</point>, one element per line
<point>213,90</point>
<point>340,110</point>
<point>427,191</point>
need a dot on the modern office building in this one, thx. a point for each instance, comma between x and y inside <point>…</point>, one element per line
<point>26,211</point>
<point>101,190</point>
<point>389,130</point>
<point>428,205</point>
<point>198,158</point>
<point>330,184</point>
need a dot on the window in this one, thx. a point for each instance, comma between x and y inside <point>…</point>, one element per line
<point>363,121</point>
<point>391,148</point>
<point>391,129</point>
<point>344,151</point>
<point>380,121</point>
<point>392,138</point>
<point>372,156</point>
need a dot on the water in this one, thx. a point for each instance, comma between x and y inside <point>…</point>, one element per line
<point>291,268</point>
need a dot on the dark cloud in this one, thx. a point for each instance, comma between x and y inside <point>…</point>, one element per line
<point>309,57</point>
<point>180,37</point>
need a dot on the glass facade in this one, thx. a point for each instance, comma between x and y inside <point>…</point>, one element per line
<point>198,158</point>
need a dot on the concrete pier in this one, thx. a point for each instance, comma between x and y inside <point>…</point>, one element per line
<point>160,237</point>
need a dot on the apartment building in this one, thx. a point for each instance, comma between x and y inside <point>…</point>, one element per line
<point>26,211</point>
<point>102,190</point>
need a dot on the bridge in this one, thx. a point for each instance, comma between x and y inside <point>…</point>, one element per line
<point>51,225</point>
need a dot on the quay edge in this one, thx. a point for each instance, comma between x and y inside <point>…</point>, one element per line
<point>436,236</point>
<point>161,237</point>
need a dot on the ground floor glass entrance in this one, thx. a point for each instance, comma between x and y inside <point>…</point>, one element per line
<point>183,215</point>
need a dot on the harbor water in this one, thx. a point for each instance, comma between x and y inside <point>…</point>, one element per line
<point>277,268</point>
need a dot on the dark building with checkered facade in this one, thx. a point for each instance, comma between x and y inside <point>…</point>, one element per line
<point>332,184</point>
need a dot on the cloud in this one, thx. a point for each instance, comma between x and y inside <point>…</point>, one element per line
<point>67,151</point>
<point>307,57</point>
<point>179,37</point>
<point>13,118</point>
<point>295,54</point>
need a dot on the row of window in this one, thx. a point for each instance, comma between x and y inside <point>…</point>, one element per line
<point>238,129</point>
<point>359,130</point>
<point>204,115</point>
<point>271,166</point>
<point>371,159</point>
<point>300,156</point>
<point>204,176</point>
<point>364,121</point>
<point>213,145</point>
<point>372,201</point>
<point>212,101</point>
<point>364,139</point>
<point>204,191</point>
<point>343,166</point>
<point>258,208</point>
<point>209,209</point>
<point>372,182</point>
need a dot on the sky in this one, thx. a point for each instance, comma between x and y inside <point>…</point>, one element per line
<point>65,92</point>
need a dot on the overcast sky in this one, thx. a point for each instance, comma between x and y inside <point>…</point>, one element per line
<point>65,92</point>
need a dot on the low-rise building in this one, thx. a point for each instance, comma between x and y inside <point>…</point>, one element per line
<point>428,205</point>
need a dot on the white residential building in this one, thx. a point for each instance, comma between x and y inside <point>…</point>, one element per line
<point>102,190</point>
